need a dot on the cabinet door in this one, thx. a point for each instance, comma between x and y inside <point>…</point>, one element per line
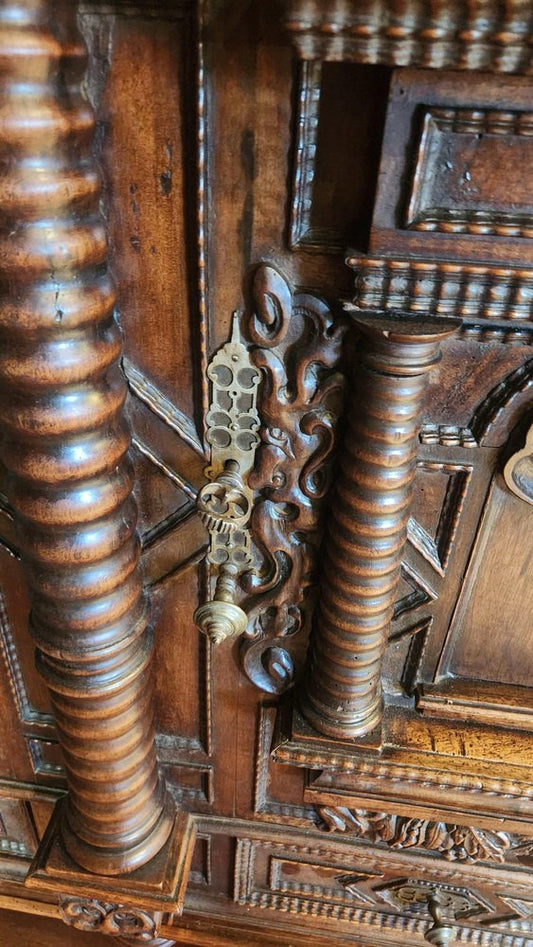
<point>237,178</point>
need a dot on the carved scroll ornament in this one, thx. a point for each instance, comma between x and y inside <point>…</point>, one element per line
<point>297,342</point>
<point>87,914</point>
<point>263,506</point>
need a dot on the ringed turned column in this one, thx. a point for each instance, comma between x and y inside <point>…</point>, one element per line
<point>65,442</point>
<point>341,694</point>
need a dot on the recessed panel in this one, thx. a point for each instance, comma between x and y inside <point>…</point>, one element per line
<point>490,639</point>
<point>456,170</point>
<point>462,183</point>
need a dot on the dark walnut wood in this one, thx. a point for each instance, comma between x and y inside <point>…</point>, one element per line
<point>369,512</point>
<point>222,159</point>
<point>299,401</point>
<point>65,447</point>
<point>454,34</point>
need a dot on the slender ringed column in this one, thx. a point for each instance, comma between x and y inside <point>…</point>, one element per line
<point>341,694</point>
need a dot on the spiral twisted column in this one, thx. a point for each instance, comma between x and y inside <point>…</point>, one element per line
<point>65,445</point>
<point>362,556</point>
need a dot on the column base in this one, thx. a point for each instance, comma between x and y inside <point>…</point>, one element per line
<point>296,742</point>
<point>344,726</point>
<point>158,886</point>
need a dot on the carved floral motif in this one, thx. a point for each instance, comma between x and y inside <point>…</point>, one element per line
<point>453,842</point>
<point>87,914</point>
<point>297,348</point>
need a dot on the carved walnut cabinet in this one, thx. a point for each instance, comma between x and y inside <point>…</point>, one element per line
<point>266,472</point>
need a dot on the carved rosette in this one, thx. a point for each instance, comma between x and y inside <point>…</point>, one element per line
<point>296,345</point>
<point>341,695</point>
<point>65,442</point>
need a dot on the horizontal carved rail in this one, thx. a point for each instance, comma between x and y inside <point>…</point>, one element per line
<point>491,36</point>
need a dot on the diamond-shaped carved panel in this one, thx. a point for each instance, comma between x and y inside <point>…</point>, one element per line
<point>439,494</point>
<point>413,895</point>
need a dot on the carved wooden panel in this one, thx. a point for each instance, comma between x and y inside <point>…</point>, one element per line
<point>450,144</point>
<point>460,181</point>
<point>149,188</point>
<point>496,583</point>
<point>338,886</point>
<point>237,179</point>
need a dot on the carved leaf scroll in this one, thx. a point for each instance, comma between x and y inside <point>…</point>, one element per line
<point>296,343</point>
<point>453,842</point>
<point>88,914</point>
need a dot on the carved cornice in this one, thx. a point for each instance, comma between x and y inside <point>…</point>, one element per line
<point>488,35</point>
<point>461,290</point>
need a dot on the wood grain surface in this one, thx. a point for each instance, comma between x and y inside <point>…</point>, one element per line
<point>69,479</point>
<point>233,139</point>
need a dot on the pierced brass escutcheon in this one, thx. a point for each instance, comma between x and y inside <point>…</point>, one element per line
<point>225,503</point>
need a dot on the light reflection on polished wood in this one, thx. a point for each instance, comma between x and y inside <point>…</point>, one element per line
<point>65,446</point>
<point>368,526</point>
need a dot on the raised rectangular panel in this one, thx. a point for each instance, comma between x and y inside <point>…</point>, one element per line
<point>472,173</point>
<point>455,176</point>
